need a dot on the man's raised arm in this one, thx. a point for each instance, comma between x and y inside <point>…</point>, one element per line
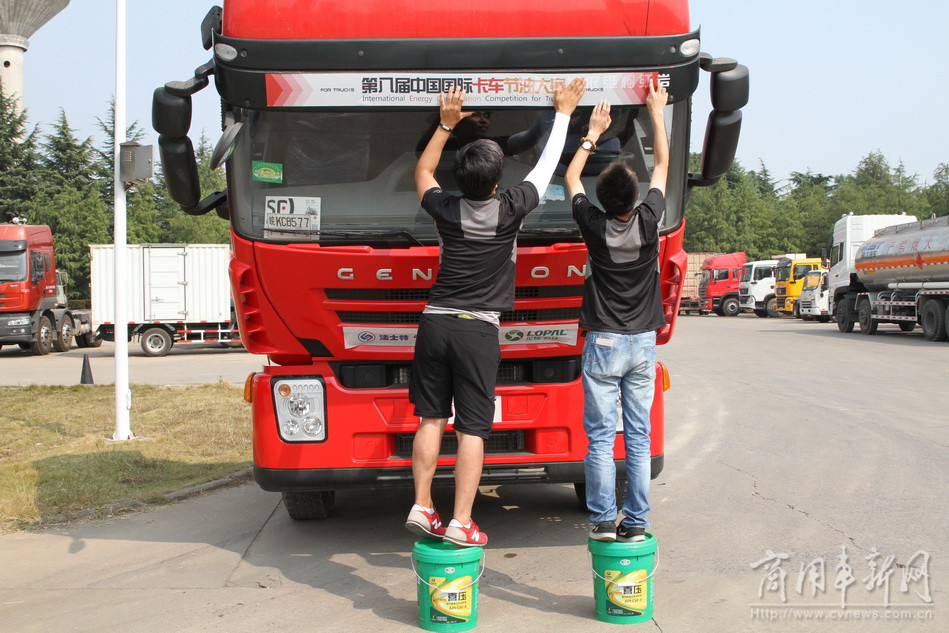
<point>565,102</point>
<point>449,112</point>
<point>656,104</point>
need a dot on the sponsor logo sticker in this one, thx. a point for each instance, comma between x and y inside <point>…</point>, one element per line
<point>266,172</point>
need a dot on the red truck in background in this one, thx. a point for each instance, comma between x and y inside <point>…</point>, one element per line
<point>34,313</point>
<point>718,290</point>
<point>326,106</point>
<point>689,301</point>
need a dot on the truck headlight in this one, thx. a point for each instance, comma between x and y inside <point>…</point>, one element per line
<point>18,321</point>
<point>300,407</point>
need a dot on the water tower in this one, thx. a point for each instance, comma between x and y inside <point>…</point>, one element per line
<point>19,19</point>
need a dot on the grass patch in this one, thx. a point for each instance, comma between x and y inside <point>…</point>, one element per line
<point>56,463</point>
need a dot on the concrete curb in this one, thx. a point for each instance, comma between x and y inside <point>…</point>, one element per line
<point>238,477</point>
<point>132,505</point>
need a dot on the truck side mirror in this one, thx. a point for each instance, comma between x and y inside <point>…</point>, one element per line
<point>730,89</point>
<point>171,114</point>
<point>721,143</point>
<point>181,170</point>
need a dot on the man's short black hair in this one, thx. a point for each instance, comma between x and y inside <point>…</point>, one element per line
<point>478,167</point>
<point>617,189</point>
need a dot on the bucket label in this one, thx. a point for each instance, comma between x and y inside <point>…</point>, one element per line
<point>451,599</point>
<point>628,593</point>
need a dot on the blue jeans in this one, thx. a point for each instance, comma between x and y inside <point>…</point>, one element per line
<point>618,367</point>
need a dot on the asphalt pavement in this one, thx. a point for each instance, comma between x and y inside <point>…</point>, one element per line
<point>804,490</point>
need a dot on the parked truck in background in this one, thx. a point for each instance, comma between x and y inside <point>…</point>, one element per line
<point>902,276</point>
<point>689,301</point>
<point>789,279</point>
<point>850,232</point>
<point>175,293</point>
<point>814,300</point>
<point>34,311</point>
<point>718,290</point>
<point>325,105</point>
<point>756,286</point>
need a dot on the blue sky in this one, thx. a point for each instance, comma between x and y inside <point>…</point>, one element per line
<point>830,80</point>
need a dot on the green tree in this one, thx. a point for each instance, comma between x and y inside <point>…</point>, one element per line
<point>18,161</point>
<point>938,193</point>
<point>67,161</point>
<point>77,219</point>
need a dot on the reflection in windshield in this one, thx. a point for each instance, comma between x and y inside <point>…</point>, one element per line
<point>13,266</point>
<point>309,176</point>
<point>784,273</point>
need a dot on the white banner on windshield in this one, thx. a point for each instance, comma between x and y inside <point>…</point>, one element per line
<point>483,89</point>
<point>508,335</point>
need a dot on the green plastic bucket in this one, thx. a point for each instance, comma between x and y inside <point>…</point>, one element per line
<point>622,580</point>
<point>447,578</point>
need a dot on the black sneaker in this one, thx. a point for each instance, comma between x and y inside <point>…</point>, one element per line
<point>603,531</point>
<point>630,534</point>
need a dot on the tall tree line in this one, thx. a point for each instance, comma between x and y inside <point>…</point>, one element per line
<point>66,182</point>
<point>748,210</point>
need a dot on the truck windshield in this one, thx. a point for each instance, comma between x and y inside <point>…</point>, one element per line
<point>13,266</point>
<point>812,280</point>
<point>783,273</point>
<point>802,269</point>
<point>347,176</point>
<point>745,274</point>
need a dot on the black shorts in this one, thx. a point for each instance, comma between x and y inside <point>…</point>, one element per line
<point>456,358</point>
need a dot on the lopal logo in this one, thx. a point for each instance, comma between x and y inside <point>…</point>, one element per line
<point>514,335</point>
<point>280,205</point>
<point>366,337</point>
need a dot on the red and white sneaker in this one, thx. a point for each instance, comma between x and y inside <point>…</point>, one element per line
<point>423,522</point>
<point>470,536</point>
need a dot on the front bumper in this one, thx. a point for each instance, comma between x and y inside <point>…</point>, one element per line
<point>298,480</point>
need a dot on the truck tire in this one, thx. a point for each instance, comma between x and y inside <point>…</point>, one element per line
<point>762,313</point>
<point>156,341</point>
<point>304,506</point>
<point>89,339</point>
<point>771,307</point>
<point>63,340</point>
<point>842,316</point>
<point>933,319</point>
<point>580,489</point>
<point>44,337</point>
<point>907,326</point>
<point>730,307</point>
<point>796,311</point>
<point>865,318</point>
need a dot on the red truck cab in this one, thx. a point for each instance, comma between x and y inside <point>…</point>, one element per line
<point>326,107</point>
<point>27,286</point>
<point>718,290</point>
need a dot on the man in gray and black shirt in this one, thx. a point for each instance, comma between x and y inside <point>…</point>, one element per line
<point>622,309</point>
<point>457,350</point>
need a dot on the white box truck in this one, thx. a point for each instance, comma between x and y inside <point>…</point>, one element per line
<point>174,292</point>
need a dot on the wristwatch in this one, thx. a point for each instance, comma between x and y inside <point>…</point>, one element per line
<point>587,144</point>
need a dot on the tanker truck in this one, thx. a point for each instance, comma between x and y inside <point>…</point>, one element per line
<point>901,275</point>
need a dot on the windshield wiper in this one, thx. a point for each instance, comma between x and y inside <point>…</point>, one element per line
<point>353,233</point>
<point>552,230</point>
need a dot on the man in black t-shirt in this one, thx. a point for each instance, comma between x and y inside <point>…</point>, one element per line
<point>457,349</point>
<point>622,309</point>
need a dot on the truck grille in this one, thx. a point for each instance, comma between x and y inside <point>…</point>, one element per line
<point>378,316</point>
<point>498,442</point>
<point>422,294</point>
